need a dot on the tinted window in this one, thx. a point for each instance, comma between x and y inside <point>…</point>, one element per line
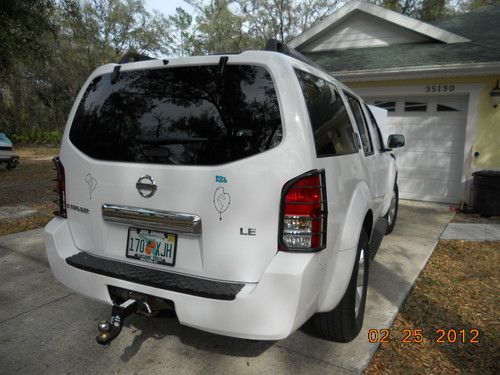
<point>180,115</point>
<point>332,129</point>
<point>364,133</point>
<point>377,129</point>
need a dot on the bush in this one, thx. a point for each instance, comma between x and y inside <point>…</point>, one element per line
<point>37,137</point>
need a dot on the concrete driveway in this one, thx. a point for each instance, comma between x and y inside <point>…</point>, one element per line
<point>47,329</point>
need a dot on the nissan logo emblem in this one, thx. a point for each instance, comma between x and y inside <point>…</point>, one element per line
<point>146,186</point>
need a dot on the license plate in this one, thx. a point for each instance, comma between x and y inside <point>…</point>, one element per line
<point>151,246</point>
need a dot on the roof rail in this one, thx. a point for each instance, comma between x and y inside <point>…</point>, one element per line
<point>133,57</point>
<point>277,46</point>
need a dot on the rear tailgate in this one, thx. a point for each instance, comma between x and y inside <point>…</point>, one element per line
<point>209,138</point>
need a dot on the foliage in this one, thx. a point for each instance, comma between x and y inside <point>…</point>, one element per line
<point>49,47</point>
<point>21,24</point>
<point>38,136</point>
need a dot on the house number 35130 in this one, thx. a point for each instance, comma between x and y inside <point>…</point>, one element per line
<point>439,88</point>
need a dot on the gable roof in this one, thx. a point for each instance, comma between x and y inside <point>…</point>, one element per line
<point>406,23</point>
<point>479,52</point>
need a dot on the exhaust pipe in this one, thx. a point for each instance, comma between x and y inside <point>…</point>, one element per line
<point>109,330</point>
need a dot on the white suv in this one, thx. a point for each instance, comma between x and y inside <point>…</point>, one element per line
<point>245,192</point>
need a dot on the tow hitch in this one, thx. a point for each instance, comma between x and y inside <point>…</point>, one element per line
<point>109,330</point>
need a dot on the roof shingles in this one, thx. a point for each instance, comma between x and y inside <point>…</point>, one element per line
<point>482,27</point>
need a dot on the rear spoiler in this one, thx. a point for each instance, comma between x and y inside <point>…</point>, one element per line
<point>133,57</point>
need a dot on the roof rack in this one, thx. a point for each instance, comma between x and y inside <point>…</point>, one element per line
<point>277,46</point>
<point>133,57</point>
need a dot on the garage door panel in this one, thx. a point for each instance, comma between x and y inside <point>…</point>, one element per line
<point>444,161</point>
<point>430,190</point>
<point>423,174</point>
<point>444,131</point>
<point>415,131</point>
<point>430,165</point>
<point>442,191</point>
<point>446,145</point>
<point>411,159</point>
<point>424,145</point>
<point>410,186</point>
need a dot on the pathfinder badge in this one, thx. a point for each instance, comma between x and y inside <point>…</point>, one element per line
<point>91,182</point>
<point>222,200</point>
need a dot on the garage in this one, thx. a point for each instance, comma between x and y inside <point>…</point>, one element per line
<point>431,164</point>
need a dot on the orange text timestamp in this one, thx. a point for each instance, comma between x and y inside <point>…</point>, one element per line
<point>417,336</point>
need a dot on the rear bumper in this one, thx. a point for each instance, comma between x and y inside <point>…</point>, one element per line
<point>8,158</point>
<point>283,299</point>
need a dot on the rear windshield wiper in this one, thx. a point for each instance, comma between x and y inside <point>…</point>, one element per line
<point>169,140</point>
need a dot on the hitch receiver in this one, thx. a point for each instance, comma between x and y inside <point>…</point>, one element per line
<point>109,330</point>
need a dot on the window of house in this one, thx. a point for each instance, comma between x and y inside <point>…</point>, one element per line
<point>415,106</point>
<point>390,106</point>
<point>449,104</point>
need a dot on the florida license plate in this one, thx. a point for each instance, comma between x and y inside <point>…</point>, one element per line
<point>151,246</point>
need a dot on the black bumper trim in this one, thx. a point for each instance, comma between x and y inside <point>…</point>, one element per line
<point>155,278</point>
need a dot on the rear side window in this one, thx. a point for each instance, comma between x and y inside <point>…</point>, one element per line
<point>364,133</point>
<point>193,115</point>
<point>332,129</point>
<point>377,129</point>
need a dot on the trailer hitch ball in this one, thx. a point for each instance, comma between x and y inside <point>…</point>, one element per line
<point>109,330</point>
<point>103,326</point>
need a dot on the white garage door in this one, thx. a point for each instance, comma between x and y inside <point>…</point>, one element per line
<point>430,165</point>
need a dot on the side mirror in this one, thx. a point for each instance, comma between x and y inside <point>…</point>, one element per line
<point>396,141</point>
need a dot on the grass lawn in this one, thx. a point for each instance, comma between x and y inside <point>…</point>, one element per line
<point>458,289</point>
<point>30,185</point>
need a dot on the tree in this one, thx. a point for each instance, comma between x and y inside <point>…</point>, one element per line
<point>182,34</point>
<point>431,10</point>
<point>406,7</point>
<point>283,19</point>
<point>219,28</point>
<point>23,25</point>
<point>37,89</point>
<point>468,5</point>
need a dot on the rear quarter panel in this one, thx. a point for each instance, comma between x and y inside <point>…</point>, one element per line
<point>349,200</point>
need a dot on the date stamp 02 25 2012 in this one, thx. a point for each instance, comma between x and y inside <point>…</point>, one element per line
<point>416,336</point>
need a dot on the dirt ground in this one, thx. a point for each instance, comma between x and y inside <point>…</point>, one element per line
<point>458,290</point>
<point>461,217</point>
<point>29,186</point>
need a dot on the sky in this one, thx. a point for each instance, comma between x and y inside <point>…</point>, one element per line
<point>166,6</point>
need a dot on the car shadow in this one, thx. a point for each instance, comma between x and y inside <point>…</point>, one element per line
<point>167,325</point>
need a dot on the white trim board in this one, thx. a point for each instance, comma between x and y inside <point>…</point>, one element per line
<point>430,71</point>
<point>322,27</point>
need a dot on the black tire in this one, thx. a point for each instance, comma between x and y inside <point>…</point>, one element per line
<point>391,218</point>
<point>342,324</point>
<point>12,164</point>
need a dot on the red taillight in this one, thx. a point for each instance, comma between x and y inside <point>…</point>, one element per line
<point>60,188</point>
<point>304,213</point>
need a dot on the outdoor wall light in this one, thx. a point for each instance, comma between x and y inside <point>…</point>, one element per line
<point>495,96</point>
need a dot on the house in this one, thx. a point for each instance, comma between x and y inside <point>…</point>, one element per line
<point>434,79</point>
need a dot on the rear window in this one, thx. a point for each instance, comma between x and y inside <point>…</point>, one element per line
<point>193,115</point>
